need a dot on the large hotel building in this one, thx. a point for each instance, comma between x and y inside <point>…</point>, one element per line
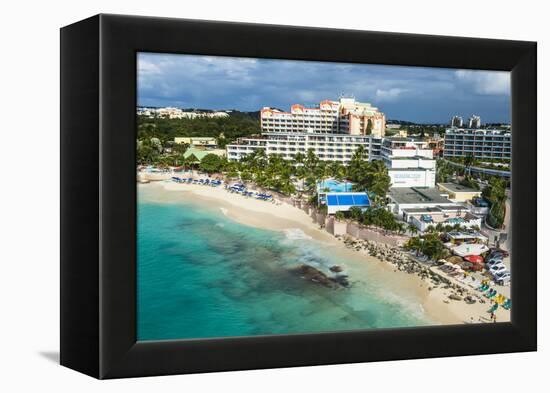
<point>481,144</point>
<point>333,130</point>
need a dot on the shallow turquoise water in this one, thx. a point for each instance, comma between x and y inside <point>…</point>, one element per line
<point>201,274</point>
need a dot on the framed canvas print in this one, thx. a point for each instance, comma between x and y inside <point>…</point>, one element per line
<point>239,196</point>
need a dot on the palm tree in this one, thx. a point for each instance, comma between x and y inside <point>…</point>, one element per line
<point>337,170</point>
<point>414,243</point>
<point>412,229</point>
<point>439,227</point>
<point>430,229</point>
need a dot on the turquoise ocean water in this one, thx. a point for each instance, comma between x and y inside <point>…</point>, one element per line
<point>201,274</point>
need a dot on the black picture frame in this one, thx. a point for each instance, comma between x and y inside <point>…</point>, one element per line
<point>98,195</point>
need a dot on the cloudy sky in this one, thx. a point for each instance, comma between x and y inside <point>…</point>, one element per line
<point>402,93</point>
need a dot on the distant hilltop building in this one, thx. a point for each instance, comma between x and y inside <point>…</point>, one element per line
<point>177,113</point>
<point>345,116</point>
<point>197,142</point>
<point>474,122</point>
<point>457,121</point>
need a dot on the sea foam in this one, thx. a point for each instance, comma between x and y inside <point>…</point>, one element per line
<point>296,234</point>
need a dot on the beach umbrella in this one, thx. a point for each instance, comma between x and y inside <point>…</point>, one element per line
<point>455,259</point>
<point>474,258</point>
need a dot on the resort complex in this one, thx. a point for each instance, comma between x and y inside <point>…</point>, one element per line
<point>435,207</point>
<point>333,130</point>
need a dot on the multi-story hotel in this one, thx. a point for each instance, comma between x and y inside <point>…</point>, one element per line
<point>481,144</point>
<point>328,147</point>
<point>333,130</point>
<point>345,116</point>
<point>410,163</point>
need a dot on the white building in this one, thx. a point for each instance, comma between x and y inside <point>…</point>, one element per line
<point>474,122</point>
<point>177,113</point>
<point>480,144</point>
<point>410,163</point>
<point>457,121</point>
<point>328,147</point>
<point>426,217</point>
<point>404,199</point>
<point>333,130</point>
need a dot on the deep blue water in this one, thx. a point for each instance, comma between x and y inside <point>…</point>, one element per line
<point>201,274</point>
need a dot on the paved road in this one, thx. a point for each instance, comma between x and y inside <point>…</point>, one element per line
<point>494,172</point>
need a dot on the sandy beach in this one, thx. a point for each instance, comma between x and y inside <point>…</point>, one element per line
<point>281,216</point>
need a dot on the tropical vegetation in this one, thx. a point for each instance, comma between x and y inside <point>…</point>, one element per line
<point>224,129</point>
<point>429,244</point>
<point>495,194</point>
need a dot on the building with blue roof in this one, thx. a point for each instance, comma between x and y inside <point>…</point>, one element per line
<point>343,201</point>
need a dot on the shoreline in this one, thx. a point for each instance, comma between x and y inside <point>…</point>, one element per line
<point>433,299</point>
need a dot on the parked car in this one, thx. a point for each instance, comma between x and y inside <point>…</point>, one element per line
<point>497,254</point>
<point>495,250</point>
<point>503,279</point>
<point>497,268</point>
<point>494,261</point>
<point>501,274</point>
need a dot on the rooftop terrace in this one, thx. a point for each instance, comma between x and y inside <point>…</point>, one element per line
<point>417,195</point>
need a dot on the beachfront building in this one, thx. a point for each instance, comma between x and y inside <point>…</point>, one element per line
<point>198,142</point>
<point>328,147</point>
<point>480,144</point>
<point>199,154</point>
<point>333,130</point>
<point>410,163</point>
<point>400,199</point>
<point>449,215</point>
<point>458,193</point>
<point>343,201</point>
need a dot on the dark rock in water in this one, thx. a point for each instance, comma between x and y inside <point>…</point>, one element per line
<point>312,274</point>
<point>315,275</point>
<point>336,269</point>
<point>341,279</point>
